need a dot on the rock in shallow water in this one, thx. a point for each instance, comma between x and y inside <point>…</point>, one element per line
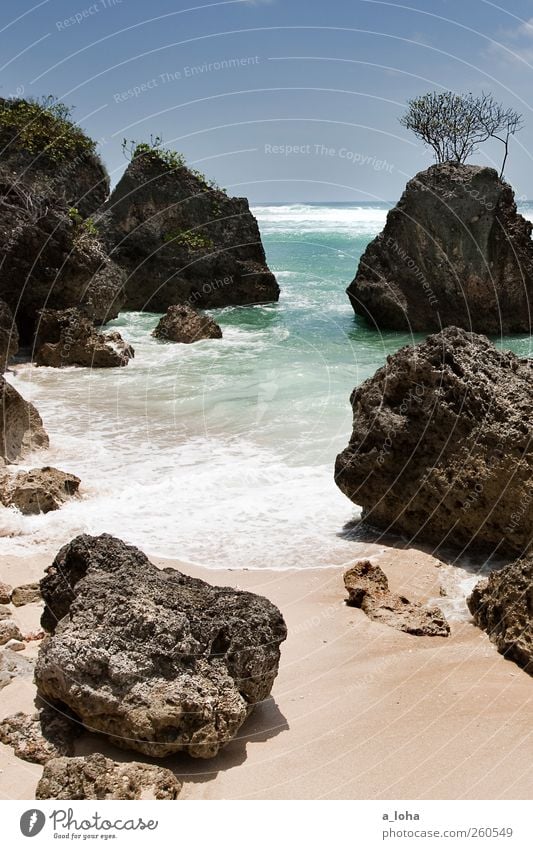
<point>368,588</point>
<point>21,427</point>
<point>183,324</point>
<point>442,445</point>
<point>39,490</point>
<point>454,251</point>
<point>502,605</point>
<point>157,661</point>
<point>98,777</point>
<point>69,338</point>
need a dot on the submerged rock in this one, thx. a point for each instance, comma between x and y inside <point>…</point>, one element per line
<point>183,324</point>
<point>98,777</point>
<point>454,251</point>
<point>181,240</point>
<point>39,490</point>
<point>157,661</point>
<point>69,338</point>
<point>37,738</point>
<point>21,427</point>
<point>442,445</point>
<point>502,605</point>
<point>368,589</point>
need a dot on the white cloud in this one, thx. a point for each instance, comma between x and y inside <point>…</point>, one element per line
<point>515,45</point>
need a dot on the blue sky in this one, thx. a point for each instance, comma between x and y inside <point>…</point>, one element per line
<point>276,99</point>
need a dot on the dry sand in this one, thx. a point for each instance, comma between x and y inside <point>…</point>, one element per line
<point>358,711</point>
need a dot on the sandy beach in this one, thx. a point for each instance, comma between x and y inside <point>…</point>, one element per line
<point>358,710</point>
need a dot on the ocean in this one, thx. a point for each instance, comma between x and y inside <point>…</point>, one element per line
<point>221,453</point>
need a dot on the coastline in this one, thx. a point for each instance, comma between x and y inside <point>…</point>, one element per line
<point>373,713</point>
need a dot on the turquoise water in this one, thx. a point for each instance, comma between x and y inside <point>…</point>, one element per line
<point>222,452</point>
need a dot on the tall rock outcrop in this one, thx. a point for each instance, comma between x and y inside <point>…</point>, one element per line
<point>155,660</point>
<point>51,254</point>
<point>181,240</point>
<point>52,259</point>
<point>442,445</point>
<point>454,251</point>
<point>44,151</point>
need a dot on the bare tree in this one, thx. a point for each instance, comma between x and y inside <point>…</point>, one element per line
<point>500,122</point>
<point>454,125</point>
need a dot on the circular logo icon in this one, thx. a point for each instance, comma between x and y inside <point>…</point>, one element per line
<point>32,822</point>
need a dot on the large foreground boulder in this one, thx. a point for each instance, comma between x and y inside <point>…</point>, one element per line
<point>181,323</point>
<point>442,445</point>
<point>21,426</point>
<point>502,605</point>
<point>69,338</point>
<point>454,251</point>
<point>183,241</point>
<point>98,777</point>
<point>157,661</point>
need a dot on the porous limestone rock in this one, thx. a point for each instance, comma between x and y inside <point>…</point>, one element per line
<point>98,777</point>
<point>21,427</point>
<point>368,589</point>
<point>182,323</point>
<point>37,491</point>
<point>69,338</point>
<point>502,605</point>
<point>454,251</point>
<point>442,445</point>
<point>155,660</point>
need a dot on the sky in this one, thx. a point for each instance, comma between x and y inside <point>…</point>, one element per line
<point>277,100</point>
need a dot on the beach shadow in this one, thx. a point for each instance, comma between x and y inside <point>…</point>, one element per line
<point>265,721</point>
<point>475,563</point>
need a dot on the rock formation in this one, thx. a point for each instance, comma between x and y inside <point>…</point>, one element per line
<point>37,738</point>
<point>98,777</point>
<point>183,324</point>
<point>182,241</point>
<point>454,251</point>
<point>69,338</point>
<point>157,661</point>
<point>51,253</point>
<point>14,665</point>
<point>9,630</point>
<point>37,491</point>
<point>9,337</point>
<point>502,605</point>
<point>49,154</point>
<point>442,446</point>
<point>52,259</point>
<point>26,594</point>
<point>21,427</point>
<point>368,589</point>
